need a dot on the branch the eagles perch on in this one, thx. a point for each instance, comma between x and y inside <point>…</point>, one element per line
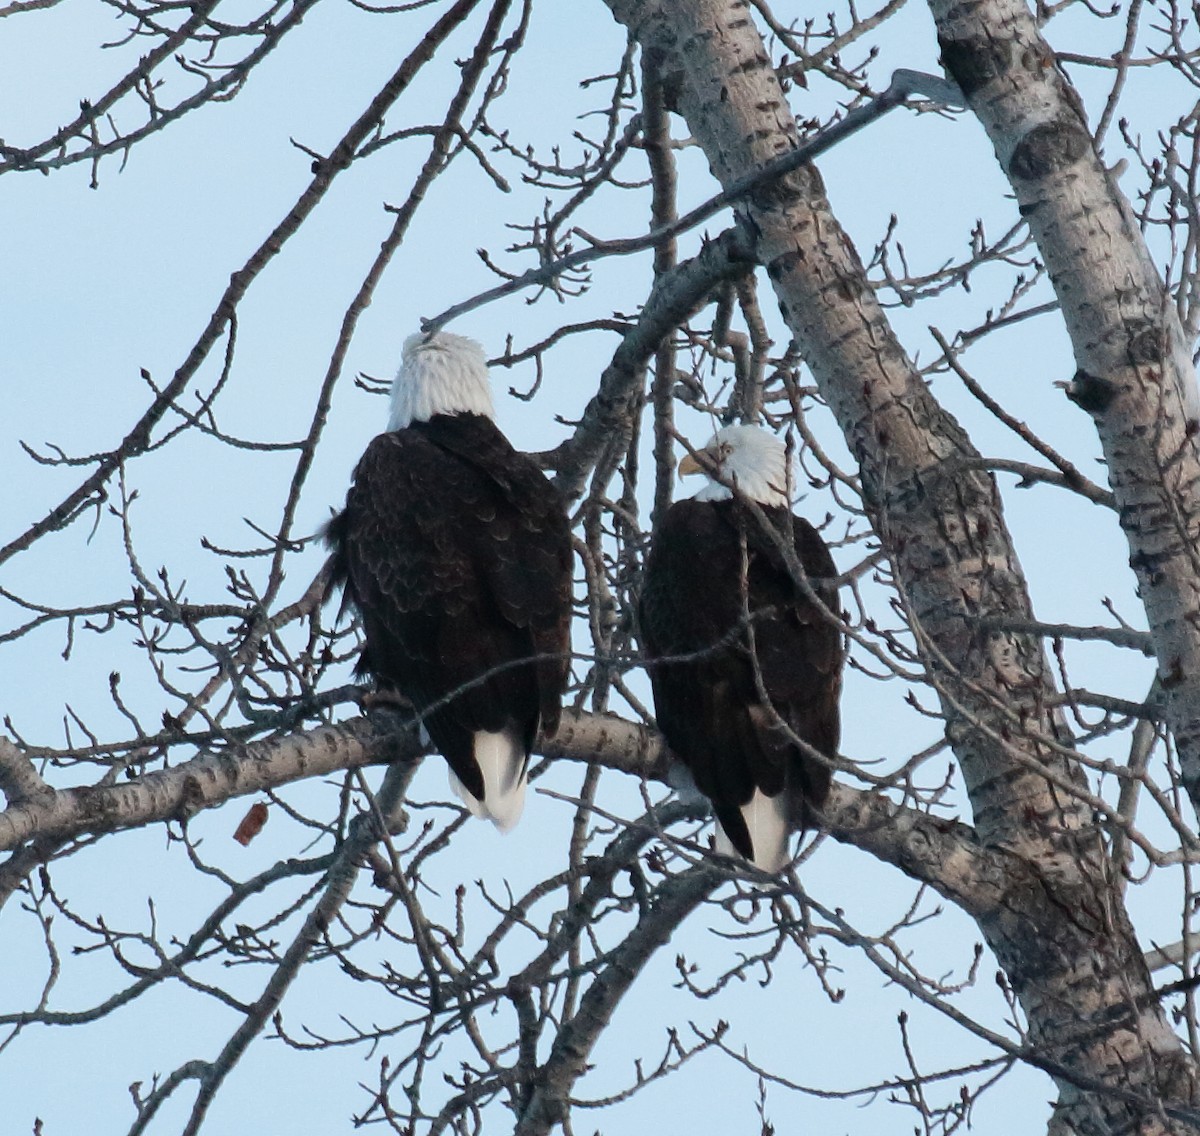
<point>889,729</point>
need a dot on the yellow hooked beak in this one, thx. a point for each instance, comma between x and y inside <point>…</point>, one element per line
<point>702,461</point>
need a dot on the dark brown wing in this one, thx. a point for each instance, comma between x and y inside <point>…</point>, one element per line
<point>709,705</point>
<point>528,550</point>
<point>799,649</point>
<point>455,550</point>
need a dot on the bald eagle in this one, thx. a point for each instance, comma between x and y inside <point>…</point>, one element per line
<point>710,566</point>
<point>455,550</point>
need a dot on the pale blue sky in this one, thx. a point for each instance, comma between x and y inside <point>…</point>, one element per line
<point>103,283</point>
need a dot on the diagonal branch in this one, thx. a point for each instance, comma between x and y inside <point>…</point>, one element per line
<point>339,882</point>
<point>904,85</point>
<point>669,905</point>
<point>138,439</point>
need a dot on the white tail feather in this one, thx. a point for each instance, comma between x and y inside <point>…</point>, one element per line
<point>680,778</point>
<point>767,819</point>
<point>501,759</point>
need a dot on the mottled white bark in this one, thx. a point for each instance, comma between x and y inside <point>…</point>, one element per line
<point>1135,375</point>
<point>943,525</point>
<point>1060,931</point>
<point>19,779</point>
<point>204,782</point>
<point>940,853</point>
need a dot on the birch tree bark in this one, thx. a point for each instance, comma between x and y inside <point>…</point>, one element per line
<point>501,986</point>
<point>1135,376</point>
<point>1060,933</point>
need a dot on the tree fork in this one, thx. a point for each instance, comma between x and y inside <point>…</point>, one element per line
<point>1135,376</point>
<point>1062,935</point>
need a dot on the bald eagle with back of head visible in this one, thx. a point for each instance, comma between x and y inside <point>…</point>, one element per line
<point>455,549</point>
<point>710,567</point>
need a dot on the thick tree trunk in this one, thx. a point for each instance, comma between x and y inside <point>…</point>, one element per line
<point>1060,931</point>
<point>1135,375</point>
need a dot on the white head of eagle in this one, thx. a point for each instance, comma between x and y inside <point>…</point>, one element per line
<point>441,373</point>
<point>455,550</point>
<point>745,456</point>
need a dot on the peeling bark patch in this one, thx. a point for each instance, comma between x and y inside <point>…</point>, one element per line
<point>847,288</point>
<point>1091,392</point>
<point>754,63</point>
<point>800,184</point>
<point>1146,566</point>
<point>99,808</point>
<point>1048,149</point>
<point>784,263</point>
<point>1173,676</point>
<point>1145,342</point>
<point>974,62</point>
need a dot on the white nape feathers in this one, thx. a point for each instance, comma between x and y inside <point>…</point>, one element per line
<point>745,456</point>
<point>440,373</point>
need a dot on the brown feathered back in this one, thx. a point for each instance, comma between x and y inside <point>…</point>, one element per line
<point>709,706</point>
<point>455,550</point>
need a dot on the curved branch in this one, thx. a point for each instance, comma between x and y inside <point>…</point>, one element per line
<point>942,853</point>
<point>669,905</point>
<point>340,880</point>
<point>204,782</point>
<point>675,297</point>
